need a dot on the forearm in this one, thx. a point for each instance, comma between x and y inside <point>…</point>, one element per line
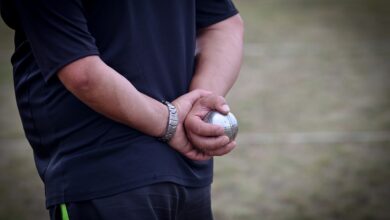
<point>219,56</point>
<point>109,93</point>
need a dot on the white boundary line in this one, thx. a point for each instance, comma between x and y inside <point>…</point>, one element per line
<point>313,137</point>
<point>321,137</point>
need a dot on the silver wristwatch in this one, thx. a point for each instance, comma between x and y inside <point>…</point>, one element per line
<point>173,120</point>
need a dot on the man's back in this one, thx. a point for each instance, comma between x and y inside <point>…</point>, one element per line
<point>81,154</point>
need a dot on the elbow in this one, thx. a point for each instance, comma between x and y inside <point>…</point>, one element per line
<point>78,82</point>
<point>237,24</point>
<point>76,76</point>
<point>233,26</point>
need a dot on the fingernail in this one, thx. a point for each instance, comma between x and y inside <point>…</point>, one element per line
<point>226,108</point>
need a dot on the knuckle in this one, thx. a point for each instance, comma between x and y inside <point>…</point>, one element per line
<point>200,92</point>
<point>214,98</point>
<point>197,128</point>
<point>204,100</point>
<point>221,99</point>
<point>188,123</point>
<point>191,125</point>
<point>215,146</point>
<point>209,145</point>
<point>196,91</point>
<point>219,153</point>
<point>213,130</point>
<point>198,143</point>
<point>224,140</point>
<point>221,142</point>
<point>190,137</point>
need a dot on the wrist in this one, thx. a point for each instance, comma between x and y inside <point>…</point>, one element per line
<point>161,127</point>
<point>172,121</point>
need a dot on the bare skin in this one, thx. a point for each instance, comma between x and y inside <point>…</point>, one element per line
<point>109,93</point>
<point>219,57</point>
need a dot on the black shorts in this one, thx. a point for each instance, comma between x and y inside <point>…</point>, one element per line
<point>162,201</point>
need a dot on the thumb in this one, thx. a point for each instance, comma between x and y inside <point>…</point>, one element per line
<point>217,103</point>
<point>222,108</point>
<point>196,94</point>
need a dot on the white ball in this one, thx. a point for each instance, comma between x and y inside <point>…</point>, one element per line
<point>228,122</point>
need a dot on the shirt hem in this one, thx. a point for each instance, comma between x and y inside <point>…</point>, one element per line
<point>55,200</point>
<point>54,71</point>
<point>217,19</point>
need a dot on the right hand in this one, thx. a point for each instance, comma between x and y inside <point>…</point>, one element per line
<point>180,140</point>
<point>210,139</point>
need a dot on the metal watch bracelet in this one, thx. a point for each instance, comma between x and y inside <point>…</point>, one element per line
<point>173,120</point>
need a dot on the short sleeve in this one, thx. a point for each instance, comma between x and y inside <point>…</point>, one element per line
<point>57,32</point>
<point>209,12</point>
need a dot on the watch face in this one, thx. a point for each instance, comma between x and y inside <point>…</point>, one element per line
<point>228,122</point>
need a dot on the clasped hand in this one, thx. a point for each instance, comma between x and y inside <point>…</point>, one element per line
<point>195,138</point>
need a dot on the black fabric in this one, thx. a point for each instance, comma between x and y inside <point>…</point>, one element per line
<point>57,32</point>
<point>79,153</point>
<point>209,12</point>
<point>163,201</point>
<point>55,213</point>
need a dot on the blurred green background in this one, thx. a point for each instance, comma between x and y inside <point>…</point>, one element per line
<point>314,109</point>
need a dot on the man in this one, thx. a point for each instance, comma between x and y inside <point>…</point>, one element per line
<point>89,78</point>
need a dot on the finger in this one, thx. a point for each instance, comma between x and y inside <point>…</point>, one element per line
<point>222,151</point>
<point>196,94</point>
<point>217,103</point>
<point>209,143</point>
<point>189,151</point>
<point>185,102</point>
<point>197,155</point>
<point>197,126</point>
<point>221,106</point>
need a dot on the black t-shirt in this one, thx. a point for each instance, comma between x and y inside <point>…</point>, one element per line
<point>79,153</point>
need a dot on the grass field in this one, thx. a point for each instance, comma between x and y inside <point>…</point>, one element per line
<point>314,110</point>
